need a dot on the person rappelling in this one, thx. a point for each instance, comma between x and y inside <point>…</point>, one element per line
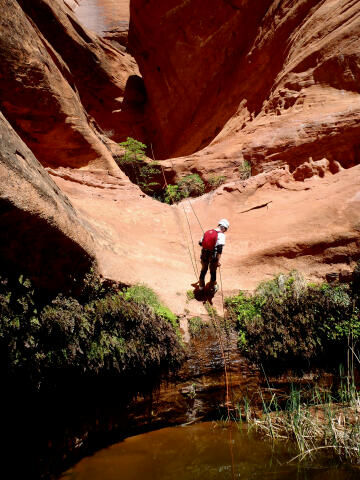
<point>212,243</point>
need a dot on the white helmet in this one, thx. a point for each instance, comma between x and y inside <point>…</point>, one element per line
<point>224,223</point>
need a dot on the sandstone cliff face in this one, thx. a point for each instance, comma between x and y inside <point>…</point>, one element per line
<point>274,82</point>
<point>106,79</point>
<point>50,68</point>
<point>37,99</point>
<point>41,234</point>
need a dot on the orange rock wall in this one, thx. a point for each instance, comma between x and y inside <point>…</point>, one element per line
<point>63,89</point>
<point>278,79</point>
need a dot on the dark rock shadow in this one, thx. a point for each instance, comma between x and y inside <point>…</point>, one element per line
<point>204,295</point>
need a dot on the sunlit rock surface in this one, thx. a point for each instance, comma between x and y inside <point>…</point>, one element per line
<point>275,84</point>
<point>62,88</point>
<point>312,226</point>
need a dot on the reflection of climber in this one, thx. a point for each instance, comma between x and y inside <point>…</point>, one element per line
<point>212,244</point>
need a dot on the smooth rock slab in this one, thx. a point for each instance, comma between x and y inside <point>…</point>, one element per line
<point>41,235</point>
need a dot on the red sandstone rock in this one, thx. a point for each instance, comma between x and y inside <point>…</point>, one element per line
<point>275,106</point>
<point>312,226</point>
<point>44,80</point>
<point>283,76</point>
<point>38,101</point>
<point>41,235</point>
<point>106,79</point>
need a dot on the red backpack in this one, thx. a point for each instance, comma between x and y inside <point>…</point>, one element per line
<point>209,240</point>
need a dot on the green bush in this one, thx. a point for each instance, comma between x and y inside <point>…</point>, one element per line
<point>134,151</point>
<point>188,186</point>
<point>142,295</point>
<point>126,332</point>
<point>134,163</point>
<point>287,323</point>
<point>172,194</point>
<point>191,186</point>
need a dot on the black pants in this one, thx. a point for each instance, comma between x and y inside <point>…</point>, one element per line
<point>208,258</point>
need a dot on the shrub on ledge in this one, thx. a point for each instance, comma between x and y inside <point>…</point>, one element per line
<point>288,324</point>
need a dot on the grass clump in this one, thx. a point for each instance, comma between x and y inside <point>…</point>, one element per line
<point>288,324</point>
<point>245,170</point>
<point>215,181</point>
<point>190,295</point>
<point>196,326</point>
<point>315,420</point>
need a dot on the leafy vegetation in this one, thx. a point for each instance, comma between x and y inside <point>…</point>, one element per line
<point>245,170</point>
<point>196,326</point>
<point>134,150</point>
<point>188,186</point>
<point>133,162</point>
<point>287,323</point>
<point>146,174</point>
<point>142,295</point>
<point>172,194</point>
<point>191,186</point>
<point>105,330</point>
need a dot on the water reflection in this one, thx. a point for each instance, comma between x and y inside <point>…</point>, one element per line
<point>200,452</point>
<point>102,15</point>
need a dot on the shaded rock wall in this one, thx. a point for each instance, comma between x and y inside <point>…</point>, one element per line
<point>282,75</point>
<point>41,234</point>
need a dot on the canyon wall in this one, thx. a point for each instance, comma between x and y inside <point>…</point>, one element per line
<point>61,87</point>
<point>272,82</point>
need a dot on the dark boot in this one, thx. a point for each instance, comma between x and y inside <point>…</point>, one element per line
<point>213,286</point>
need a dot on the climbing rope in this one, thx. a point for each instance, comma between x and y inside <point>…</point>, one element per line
<point>193,261</point>
<point>228,403</point>
<point>226,361</point>
<point>196,216</point>
<point>192,241</point>
<point>194,265</point>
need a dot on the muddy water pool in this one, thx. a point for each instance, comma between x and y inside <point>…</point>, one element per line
<point>103,15</point>
<point>206,451</point>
